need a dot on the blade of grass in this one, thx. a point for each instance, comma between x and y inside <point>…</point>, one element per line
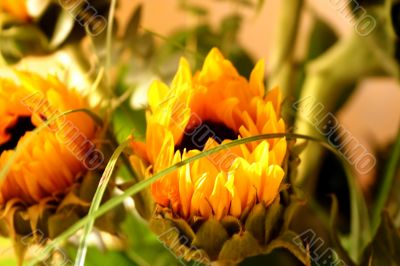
<point>118,199</point>
<point>98,196</point>
<point>109,33</point>
<point>22,145</point>
<point>360,232</point>
<point>384,189</point>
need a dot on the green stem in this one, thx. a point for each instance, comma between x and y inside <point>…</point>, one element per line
<point>114,143</point>
<point>282,55</point>
<point>109,34</point>
<point>109,39</point>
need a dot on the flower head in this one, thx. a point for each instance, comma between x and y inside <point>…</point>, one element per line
<point>49,162</point>
<point>53,160</point>
<point>197,112</point>
<point>225,206</point>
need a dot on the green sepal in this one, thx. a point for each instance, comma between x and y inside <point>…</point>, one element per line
<point>255,222</point>
<point>171,235</point>
<point>273,215</point>
<point>58,223</point>
<point>238,247</point>
<point>45,220</point>
<point>230,240</point>
<point>210,237</point>
<point>287,241</point>
<point>231,224</point>
<point>20,248</point>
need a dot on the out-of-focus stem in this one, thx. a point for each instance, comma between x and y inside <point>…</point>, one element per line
<point>327,79</point>
<point>282,54</point>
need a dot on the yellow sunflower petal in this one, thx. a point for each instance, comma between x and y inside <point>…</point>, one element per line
<point>272,181</point>
<point>257,79</point>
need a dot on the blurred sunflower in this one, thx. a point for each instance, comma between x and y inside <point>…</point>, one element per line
<point>50,163</point>
<point>48,186</point>
<point>199,112</point>
<point>15,8</point>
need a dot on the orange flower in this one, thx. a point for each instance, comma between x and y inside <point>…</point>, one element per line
<point>198,112</point>
<point>16,8</point>
<point>55,158</point>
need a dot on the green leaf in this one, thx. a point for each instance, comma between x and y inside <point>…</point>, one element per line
<point>196,10</point>
<point>386,186</point>
<point>17,42</point>
<point>127,121</point>
<point>134,23</point>
<point>245,3</point>
<point>98,196</point>
<point>230,25</point>
<point>8,261</point>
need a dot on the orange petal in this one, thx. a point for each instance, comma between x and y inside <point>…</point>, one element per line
<point>185,189</point>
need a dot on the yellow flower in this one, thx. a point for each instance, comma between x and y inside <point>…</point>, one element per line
<point>58,155</point>
<point>197,112</point>
<point>16,8</point>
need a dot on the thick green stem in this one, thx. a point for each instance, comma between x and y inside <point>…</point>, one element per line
<point>327,79</point>
<point>282,54</point>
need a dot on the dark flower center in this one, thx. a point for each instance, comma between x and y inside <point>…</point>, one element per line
<point>196,138</point>
<point>23,125</point>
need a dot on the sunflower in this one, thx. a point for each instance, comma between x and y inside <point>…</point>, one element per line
<point>198,112</point>
<point>51,162</point>
<point>16,8</point>
<point>47,186</point>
